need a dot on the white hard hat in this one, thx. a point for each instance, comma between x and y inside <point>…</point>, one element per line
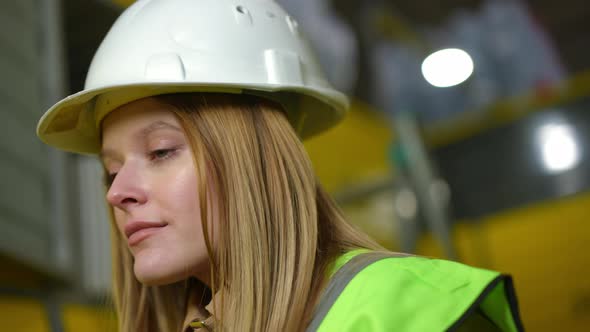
<point>169,46</point>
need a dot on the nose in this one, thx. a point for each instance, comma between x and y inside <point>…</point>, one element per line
<point>127,189</point>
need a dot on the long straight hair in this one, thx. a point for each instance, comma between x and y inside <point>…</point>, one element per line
<point>276,232</point>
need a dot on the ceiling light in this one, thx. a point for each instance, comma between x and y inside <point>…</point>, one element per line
<point>447,67</point>
<point>559,149</point>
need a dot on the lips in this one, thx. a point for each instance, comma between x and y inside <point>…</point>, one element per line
<point>136,231</point>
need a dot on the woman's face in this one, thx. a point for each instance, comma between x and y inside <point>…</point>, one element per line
<point>153,192</point>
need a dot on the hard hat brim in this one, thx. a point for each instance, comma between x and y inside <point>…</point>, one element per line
<point>73,124</point>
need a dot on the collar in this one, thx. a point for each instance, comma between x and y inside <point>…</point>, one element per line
<point>198,317</point>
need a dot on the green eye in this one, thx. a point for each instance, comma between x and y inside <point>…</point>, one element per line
<point>161,154</point>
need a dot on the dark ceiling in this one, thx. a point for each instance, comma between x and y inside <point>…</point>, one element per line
<point>567,23</point>
<point>85,25</point>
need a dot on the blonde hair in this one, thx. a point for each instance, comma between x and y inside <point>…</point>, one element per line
<point>277,230</point>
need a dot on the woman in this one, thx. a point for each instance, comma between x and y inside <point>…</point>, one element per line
<point>218,222</point>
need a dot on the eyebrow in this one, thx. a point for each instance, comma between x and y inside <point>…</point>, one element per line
<point>155,126</point>
<point>142,133</point>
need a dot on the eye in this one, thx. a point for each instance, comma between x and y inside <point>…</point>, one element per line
<point>161,154</point>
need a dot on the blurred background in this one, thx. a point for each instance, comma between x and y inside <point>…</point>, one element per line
<point>467,140</point>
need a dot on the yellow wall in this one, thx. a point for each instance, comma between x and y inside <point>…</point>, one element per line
<point>353,152</point>
<point>18,314</point>
<point>78,317</point>
<point>22,315</point>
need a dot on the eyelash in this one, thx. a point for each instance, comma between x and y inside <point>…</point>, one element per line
<point>167,153</point>
<point>154,157</point>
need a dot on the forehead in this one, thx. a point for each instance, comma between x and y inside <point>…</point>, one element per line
<point>135,120</point>
<point>137,114</point>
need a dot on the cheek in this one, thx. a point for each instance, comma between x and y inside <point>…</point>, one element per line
<point>182,194</point>
<point>185,191</point>
<point>179,251</point>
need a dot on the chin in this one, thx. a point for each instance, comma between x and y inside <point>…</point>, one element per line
<point>151,271</point>
<point>157,278</point>
<point>152,280</point>
<point>157,266</point>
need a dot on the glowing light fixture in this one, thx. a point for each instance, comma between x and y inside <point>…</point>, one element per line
<point>447,67</point>
<point>559,149</point>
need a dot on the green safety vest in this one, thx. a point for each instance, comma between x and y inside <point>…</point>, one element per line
<point>373,291</point>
